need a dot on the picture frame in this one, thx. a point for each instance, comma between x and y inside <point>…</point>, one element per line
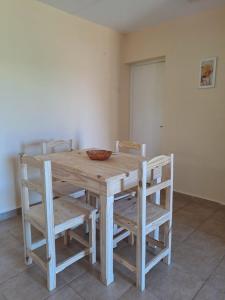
<point>207,74</point>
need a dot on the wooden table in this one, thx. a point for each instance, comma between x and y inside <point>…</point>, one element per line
<point>105,178</point>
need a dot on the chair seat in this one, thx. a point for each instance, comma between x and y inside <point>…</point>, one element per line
<point>62,188</point>
<point>125,215</point>
<point>67,214</point>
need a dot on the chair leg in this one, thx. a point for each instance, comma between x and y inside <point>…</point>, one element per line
<point>131,239</point>
<point>51,265</point>
<point>92,238</point>
<point>88,197</point>
<point>115,228</point>
<point>88,201</point>
<point>66,238</point>
<point>27,242</point>
<point>140,261</point>
<point>167,241</point>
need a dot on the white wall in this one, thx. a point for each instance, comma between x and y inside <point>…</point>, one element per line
<point>59,78</point>
<point>194,118</point>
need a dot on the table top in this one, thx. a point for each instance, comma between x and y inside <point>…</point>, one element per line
<point>118,166</point>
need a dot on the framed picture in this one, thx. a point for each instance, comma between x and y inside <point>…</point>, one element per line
<point>207,73</point>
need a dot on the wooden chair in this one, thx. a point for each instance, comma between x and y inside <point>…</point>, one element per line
<point>142,217</point>
<point>61,188</point>
<point>92,199</point>
<point>55,146</point>
<point>137,149</point>
<point>128,145</point>
<point>33,148</point>
<point>140,149</point>
<point>51,218</point>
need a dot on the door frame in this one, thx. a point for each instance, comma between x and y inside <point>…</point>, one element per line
<point>131,102</point>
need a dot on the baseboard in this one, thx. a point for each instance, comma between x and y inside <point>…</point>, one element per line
<point>10,214</point>
<point>197,197</point>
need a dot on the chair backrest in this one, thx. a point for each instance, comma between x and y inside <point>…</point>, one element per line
<point>162,164</point>
<point>33,148</point>
<point>129,145</point>
<point>42,186</point>
<point>54,146</point>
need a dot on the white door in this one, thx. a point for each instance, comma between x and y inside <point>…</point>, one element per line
<point>146,105</point>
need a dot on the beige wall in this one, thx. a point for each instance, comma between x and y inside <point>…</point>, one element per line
<point>59,78</point>
<point>194,118</point>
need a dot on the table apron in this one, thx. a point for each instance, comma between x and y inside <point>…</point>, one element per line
<point>108,188</point>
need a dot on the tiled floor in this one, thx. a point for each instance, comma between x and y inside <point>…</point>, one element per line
<point>197,271</point>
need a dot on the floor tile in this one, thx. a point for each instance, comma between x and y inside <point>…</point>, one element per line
<point>207,243</point>
<point>66,293</point>
<point>187,218</point>
<point>11,263</point>
<point>199,254</point>
<point>30,282</point>
<point>10,224</point>
<point>180,201</point>
<point>219,215</point>
<point>202,211</point>
<point>193,215</point>
<point>170,283</point>
<point>180,233</point>
<point>217,282</point>
<point>89,286</point>
<point>8,242</point>
<point>133,293</point>
<point>206,203</point>
<point>2,297</point>
<point>209,293</point>
<point>217,278</point>
<point>18,234</point>
<point>24,286</point>
<point>213,227</point>
<point>74,271</point>
<point>220,270</point>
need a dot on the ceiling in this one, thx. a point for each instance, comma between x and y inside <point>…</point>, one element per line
<point>131,15</point>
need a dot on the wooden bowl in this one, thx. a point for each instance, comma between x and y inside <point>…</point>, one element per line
<point>99,154</point>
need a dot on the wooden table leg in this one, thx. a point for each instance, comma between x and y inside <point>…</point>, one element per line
<point>106,240</point>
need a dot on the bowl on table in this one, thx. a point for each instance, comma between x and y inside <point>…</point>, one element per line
<point>99,154</point>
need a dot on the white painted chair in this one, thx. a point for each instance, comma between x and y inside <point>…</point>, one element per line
<point>33,148</point>
<point>142,217</point>
<point>55,146</point>
<point>61,188</point>
<point>92,199</point>
<point>120,146</point>
<point>52,218</point>
<point>136,149</point>
<point>140,149</point>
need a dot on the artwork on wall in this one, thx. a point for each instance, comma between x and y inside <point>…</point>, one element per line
<point>207,73</point>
